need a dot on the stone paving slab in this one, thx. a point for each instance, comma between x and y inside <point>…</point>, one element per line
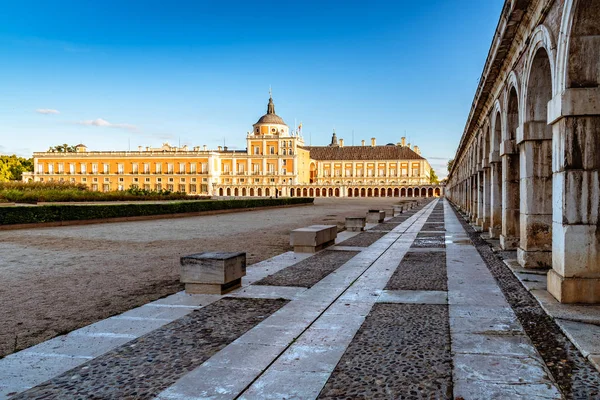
<point>346,248</point>
<point>268,292</point>
<point>364,239</point>
<point>144,367</point>
<point>480,310</point>
<point>413,297</point>
<point>586,337</point>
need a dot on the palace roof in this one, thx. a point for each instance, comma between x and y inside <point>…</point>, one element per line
<point>362,153</point>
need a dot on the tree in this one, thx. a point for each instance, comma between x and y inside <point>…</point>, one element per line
<point>62,148</point>
<point>433,178</point>
<point>12,167</point>
<point>450,163</point>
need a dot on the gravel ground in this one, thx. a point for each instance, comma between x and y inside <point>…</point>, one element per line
<point>576,377</point>
<point>363,239</point>
<point>146,366</point>
<point>420,271</point>
<point>385,226</point>
<point>402,351</point>
<point>55,280</point>
<point>310,271</point>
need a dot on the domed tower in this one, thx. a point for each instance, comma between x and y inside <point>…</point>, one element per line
<point>270,123</point>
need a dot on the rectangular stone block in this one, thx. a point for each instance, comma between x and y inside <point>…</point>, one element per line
<point>375,216</point>
<point>213,272</point>
<point>313,238</point>
<point>574,290</point>
<point>356,224</point>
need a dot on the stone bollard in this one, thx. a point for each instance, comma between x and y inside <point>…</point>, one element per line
<point>313,238</point>
<point>355,224</point>
<point>398,210</point>
<point>375,216</point>
<point>212,272</point>
<point>389,212</point>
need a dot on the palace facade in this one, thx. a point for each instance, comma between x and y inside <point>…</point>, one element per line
<point>276,162</point>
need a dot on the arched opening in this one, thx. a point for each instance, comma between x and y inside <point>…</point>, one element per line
<point>382,192</point>
<point>535,244</point>
<point>305,192</point>
<point>337,192</point>
<point>349,192</point>
<point>409,192</point>
<point>312,192</point>
<point>390,192</point>
<point>403,192</point>
<point>369,192</point>
<point>375,192</point>
<point>220,191</point>
<point>236,192</point>
<point>437,192</point>
<point>251,192</point>
<point>430,192</point>
<point>292,192</point>
<point>496,178</point>
<point>423,192</point>
<point>330,192</point>
<point>244,192</point>
<point>259,192</point>
<point>228,191</point>
<point>313,173</point>
<point>267,192</point>
<point>356,192</point>
<point>318,192</point>
<point>362,192</point>
<point>510,186</point>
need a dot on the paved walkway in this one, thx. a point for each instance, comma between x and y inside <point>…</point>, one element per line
<point>414,314</point>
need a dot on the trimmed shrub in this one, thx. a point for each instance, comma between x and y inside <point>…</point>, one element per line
<point>54,213</point>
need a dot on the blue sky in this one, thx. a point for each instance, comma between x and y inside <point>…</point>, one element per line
<point>129,73</point>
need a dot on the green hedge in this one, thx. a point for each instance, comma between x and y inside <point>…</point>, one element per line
<point>53,213</point>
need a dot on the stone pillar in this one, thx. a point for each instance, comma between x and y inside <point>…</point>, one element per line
<point>495,195</point>
<point>575,274</point>
<point>535,248</point>
<point>509,239</point>
<point>479,220</point>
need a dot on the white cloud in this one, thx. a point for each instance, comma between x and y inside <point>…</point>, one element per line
<point>47,111</point>
<point>104,123</point>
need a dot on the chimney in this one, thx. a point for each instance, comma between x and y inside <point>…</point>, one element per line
<point>220,148</point>
<point>341,142</point>
<point>403,141</point>
<point>417,150</point>
<point>204,148</point>
<point>362,142</point>
<point>372,142</point>
<point>408,145</point>
<point>225,148</point>
<point>140,148</point>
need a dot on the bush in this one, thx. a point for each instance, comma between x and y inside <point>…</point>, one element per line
<point>54,213</point>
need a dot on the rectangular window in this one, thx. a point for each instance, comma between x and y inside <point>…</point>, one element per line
<point>182,188</point>
<point>158,187</point>
<point>170,188</point>
<point>50,168</point>
<point>134,168</point>
<point>40,168</point>
<point>182,168</point>
<point>106,168</point>
<point>147,180</point>
<point>193,179</point>
<point>181,179</point>
<point>106,179</point>
<point>158,168</point>
<point>120,188</point>
<point>95,179</point>
<point>61,168</point>
<point>95,187</point>
<point>204,168</point>
<point>106,188</point>
<point>169,168</point>
<point>170,179</point>
<point>71,168</point>
<point>192,168</point>
<point>83,168</point>
<point>146,168</point>
<point>83,179</point>
<point>121,180</point>
<point>256,150</point>
<point>192,188</point>
<point>120,169</point>
<point>136,179</point>
<point>272,150</point>
<point>158,179</point>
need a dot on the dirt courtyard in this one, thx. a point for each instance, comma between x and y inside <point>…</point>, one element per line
<point>55,280</point>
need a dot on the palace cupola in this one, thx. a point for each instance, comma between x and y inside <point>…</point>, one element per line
<point>271,123</point>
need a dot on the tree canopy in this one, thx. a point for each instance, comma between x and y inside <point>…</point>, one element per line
<point>433,178</point>
<point>12,167</point>
<point>450,162</point>
<point>62,148</point>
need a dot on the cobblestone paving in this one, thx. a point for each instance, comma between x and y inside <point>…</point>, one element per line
<point>402,351</point>
<point>436,240</point>
<point>576,377</point>
<point>420,271</point>
<point>364,239</point>
<point>310,271</point>
<point>144,367</point>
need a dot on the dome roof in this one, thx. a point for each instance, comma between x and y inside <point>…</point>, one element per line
<point>270,117</point>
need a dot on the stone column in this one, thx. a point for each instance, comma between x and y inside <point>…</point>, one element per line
<point>495,195</point>
<point>575,274</point>
<point>509,239</point>
<point>535,249</point>
<point>485,218</point>
<point>479,220</point>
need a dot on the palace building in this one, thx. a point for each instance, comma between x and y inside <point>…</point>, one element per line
<point>276,162</point>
